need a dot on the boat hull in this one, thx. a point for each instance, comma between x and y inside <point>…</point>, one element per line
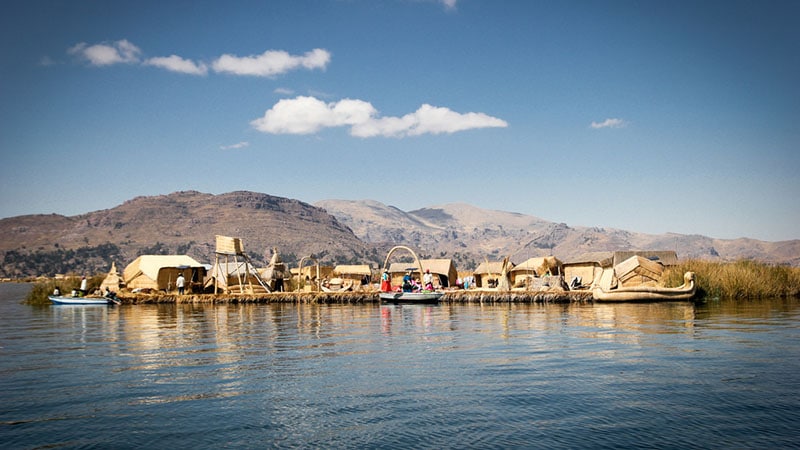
<point>59,300</point>
<point>411,297</point>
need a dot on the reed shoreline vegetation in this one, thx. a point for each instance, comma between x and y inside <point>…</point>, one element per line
<point>737,280</point>
<point>731,280</point>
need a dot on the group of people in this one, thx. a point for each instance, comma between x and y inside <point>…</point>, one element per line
<point>410,284</point>
<point>84,290</point>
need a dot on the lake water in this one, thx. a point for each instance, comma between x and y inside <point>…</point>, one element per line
<point>665,375</point>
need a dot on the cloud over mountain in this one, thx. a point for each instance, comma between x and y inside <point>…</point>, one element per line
<point>308,115</point>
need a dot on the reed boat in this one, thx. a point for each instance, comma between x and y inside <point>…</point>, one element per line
<point>647,293</point>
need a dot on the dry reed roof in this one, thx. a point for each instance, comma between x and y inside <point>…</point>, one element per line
<point>541,265</point>
<point>438,266</point>
<point>358,269</point>
<point>490,267</point>
<point>150,265</point>
<point>612,258</point>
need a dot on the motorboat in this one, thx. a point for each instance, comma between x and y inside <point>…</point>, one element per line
<point>409,296</point>
<point>422,297</point>
<point>65,300</point>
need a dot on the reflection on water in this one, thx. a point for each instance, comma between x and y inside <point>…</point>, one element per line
<point>721,374</point>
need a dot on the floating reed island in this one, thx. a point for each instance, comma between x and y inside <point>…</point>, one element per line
<point>348,298</point>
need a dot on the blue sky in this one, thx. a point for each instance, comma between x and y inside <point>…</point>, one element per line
<point>640,115</point>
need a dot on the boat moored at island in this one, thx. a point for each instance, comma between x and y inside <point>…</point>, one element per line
<point>422,297</point>
<point>409,291</point>
<point>65,300</point>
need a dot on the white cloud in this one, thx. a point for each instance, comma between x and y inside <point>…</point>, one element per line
<point>307,115</point>
<point>609,123</point>
<point>449,4</point>
<point>46,61</point>
<point>271,62</point>
<point>242,144</point>
<point>107,54</point>
<point>283,91</point>
<point>175,63</point>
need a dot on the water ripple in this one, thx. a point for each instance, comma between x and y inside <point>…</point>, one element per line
<point>466,376</point>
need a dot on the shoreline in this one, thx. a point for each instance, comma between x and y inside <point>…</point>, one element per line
<point>345,298</point>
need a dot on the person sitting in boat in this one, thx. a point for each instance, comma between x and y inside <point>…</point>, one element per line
<point>109,294</point>
<point>407,285</point>
<point>56,291</point>
<point>427,280</point>
<point>386,282</point>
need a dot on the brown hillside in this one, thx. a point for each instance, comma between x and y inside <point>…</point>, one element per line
<point>178,223</point>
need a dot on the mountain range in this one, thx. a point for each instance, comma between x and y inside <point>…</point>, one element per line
<point>464,232</point>
<point>333,231</point>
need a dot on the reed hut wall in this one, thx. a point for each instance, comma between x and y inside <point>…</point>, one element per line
<point>536,267</point>
<point>355,273</point>
<point>488,272</point>
<point>112,281</point>
<point>443,270</point>
<point>159,272</point>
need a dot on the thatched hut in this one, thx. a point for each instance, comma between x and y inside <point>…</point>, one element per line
<point>113,282</point>
<point>443,270</point>
<point>308,277</point>
<point>537,267</point>
<point>159,272</point>
<point>356,276</point>
<point>309,273</point>
<point>590,266</point>
<point>580,272</point>
<point>276,273</point>
<point>488,273</point>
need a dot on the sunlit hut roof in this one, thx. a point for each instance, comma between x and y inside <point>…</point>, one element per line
<point>490,267</point>
<point>437,266</point>
<point>398,267</point>
<point>541,265</point>
<point>612,258</point>
<point>358,269</point>
<point>602,259</point>
<point>440,266</point>
<point>665,257</point>
<point>150,265</point>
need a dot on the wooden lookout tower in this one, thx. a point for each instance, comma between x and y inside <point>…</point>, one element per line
<point>233,271</point>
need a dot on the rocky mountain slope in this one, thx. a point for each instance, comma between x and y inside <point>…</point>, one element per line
<point>469,235</point>
<point>335,231</point>
<point>178,223</point>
